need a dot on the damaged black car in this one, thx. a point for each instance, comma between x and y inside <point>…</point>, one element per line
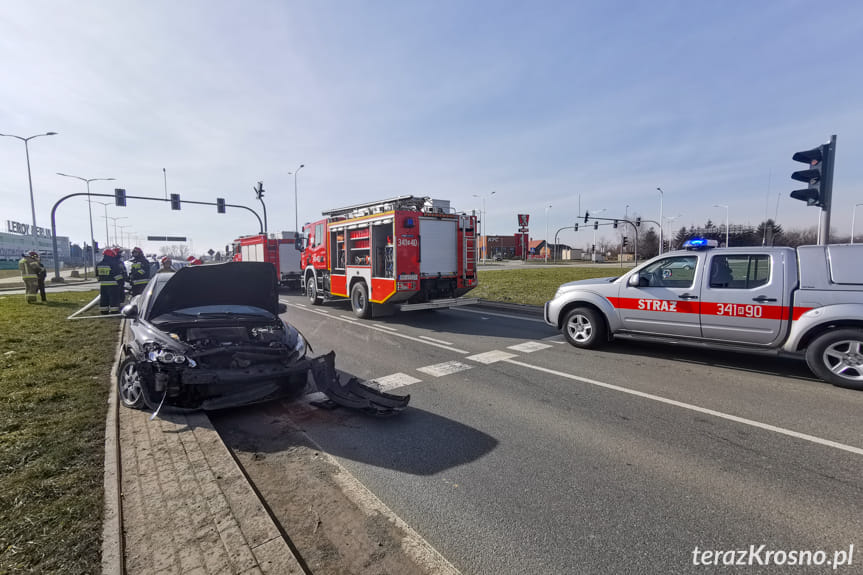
<point>210,337</point>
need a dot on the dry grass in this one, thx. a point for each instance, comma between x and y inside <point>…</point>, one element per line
<point>54,378</point>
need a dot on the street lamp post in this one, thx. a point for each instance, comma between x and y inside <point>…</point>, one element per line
<point>296,210</point>
<point>116,241</point>
<point>483,229</point>
<point>661,194</point>
<point>29,177</point>
<point>107,237</point>
<point>726,221</point>
<point>669,219</point>
<point>546,232</point>
<point>89,208</point>
<point>122,228</point>
<point>853,215</point>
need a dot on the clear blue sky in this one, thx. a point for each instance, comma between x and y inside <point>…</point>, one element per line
<point>539,102</point>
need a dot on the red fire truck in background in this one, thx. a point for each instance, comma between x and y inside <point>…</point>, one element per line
<point>403,253</point>
<point>281,252</point>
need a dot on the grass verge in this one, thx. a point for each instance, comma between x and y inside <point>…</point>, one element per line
<point>533,286</point>
<point>54,378</point>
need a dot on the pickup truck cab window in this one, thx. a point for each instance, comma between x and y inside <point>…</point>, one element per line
<point>677,272</point>
<point>740,271</point>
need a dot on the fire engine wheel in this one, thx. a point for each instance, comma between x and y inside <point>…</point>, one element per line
<point>312,292</point>
<point>360,300</point>
<point>584,328</point>
<point>837,357</point>
<point>129,384</point>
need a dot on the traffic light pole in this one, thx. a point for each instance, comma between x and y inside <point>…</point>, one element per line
<point>827,187</point>
<point>57,277</point>
<point>634,228</point>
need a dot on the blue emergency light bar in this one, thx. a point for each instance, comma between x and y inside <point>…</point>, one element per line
<point>700,244</point>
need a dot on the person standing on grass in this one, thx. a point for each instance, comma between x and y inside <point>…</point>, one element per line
<point>112,275</point>
<point>30,268</point>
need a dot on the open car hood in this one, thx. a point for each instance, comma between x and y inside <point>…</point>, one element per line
<point>231,283</point>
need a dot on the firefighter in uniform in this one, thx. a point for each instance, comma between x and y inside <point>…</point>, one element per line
<point>112,276</point>
<point>140,271</point>
<point>30,268</point>
<point>166,266</point>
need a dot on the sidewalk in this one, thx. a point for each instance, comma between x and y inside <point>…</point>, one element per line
<point>15,282</point>
<point>181,504</point>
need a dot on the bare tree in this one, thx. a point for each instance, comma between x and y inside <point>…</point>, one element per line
<point>177,252</point>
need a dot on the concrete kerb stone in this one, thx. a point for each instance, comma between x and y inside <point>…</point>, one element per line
<point>112,527</point>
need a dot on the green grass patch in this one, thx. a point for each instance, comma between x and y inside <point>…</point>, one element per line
<point>533,286</point>
<point>9,274</point>
<point>54,383</point>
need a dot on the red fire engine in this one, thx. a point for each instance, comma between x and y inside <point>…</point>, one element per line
<point>406,253</point>
<point>281,252</point>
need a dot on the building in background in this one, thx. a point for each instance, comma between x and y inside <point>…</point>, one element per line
<point>18,239</point>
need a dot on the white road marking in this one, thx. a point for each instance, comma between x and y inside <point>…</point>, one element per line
<point>554,339</point>
<point>491,356</point>
<point>434,340</point>
<point>321,310</point>
<point>300,304</point>
<point>349,318</point>
<point>445,368</point>
<point>522,317</point>
<point>385,326</point>
<point>392,381</point>
<point>528,346</point>
<point>704,410</point>
<point>351,321</point>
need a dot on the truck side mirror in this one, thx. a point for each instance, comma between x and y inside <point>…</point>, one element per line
<point>634,280</point>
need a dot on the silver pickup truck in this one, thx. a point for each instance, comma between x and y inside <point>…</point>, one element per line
<point>804,302</point>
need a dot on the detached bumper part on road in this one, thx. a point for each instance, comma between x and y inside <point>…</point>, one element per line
<point>353,393</point>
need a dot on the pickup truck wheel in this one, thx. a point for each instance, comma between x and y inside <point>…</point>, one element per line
<point>837,357</point>
<point>583,327</point>
<point>129,384</point>
<point>312,292</point>
<point>360,300</point>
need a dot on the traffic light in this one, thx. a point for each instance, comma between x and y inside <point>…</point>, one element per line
<point>595,224</point>
<point>576,226</point>
<point>819,176</point>
<point>259,190</point>
<point>638,222</point>
<point>592,247</point>
<point>625,241</point>
<point>220,205</point>
<point>586,214</point>
<point>119,197</point>
<point>175,201</point>
<point>614,225</point>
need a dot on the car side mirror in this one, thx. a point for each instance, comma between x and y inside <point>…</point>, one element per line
<point>130,311</point>
<point>283,308</point>
<point>634,280</point>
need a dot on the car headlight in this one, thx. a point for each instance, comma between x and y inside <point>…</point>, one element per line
<point>300,346</point>
<point>157,354</point>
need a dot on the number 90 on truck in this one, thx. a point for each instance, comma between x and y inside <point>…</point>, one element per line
<point>404,253</point>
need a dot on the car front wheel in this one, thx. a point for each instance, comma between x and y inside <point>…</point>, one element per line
<point>583,327</point>
<point>837,357</point>
<point>129,384</point>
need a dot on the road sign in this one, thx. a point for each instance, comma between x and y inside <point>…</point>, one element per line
<point>523,230</point>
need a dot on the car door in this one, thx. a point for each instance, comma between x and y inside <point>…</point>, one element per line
<point>665,301</point>
<point>743,297</point>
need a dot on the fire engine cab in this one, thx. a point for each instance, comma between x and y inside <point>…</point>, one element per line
<point>403,253</point>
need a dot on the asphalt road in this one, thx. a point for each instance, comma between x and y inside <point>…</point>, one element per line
<point>520,454</point>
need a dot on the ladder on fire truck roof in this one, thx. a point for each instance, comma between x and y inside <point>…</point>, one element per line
<point>398,203</point>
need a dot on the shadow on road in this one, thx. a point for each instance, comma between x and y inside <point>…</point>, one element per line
<point>416,441</point>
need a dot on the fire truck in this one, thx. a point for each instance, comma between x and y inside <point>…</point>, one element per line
<point>403,253</point>
<point>281,252</point>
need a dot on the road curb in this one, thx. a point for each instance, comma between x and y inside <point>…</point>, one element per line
<point>533,310</point>
<point>112,525</point>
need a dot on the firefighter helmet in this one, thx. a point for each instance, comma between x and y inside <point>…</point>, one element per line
<point>109,253</point>
<point>34,255</point>
<point>136,251</point>
<point>164,259</point>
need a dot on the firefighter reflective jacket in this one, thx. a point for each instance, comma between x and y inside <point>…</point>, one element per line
<point>30,268</point>
<point>140,271</point>
<point>110,272</point>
